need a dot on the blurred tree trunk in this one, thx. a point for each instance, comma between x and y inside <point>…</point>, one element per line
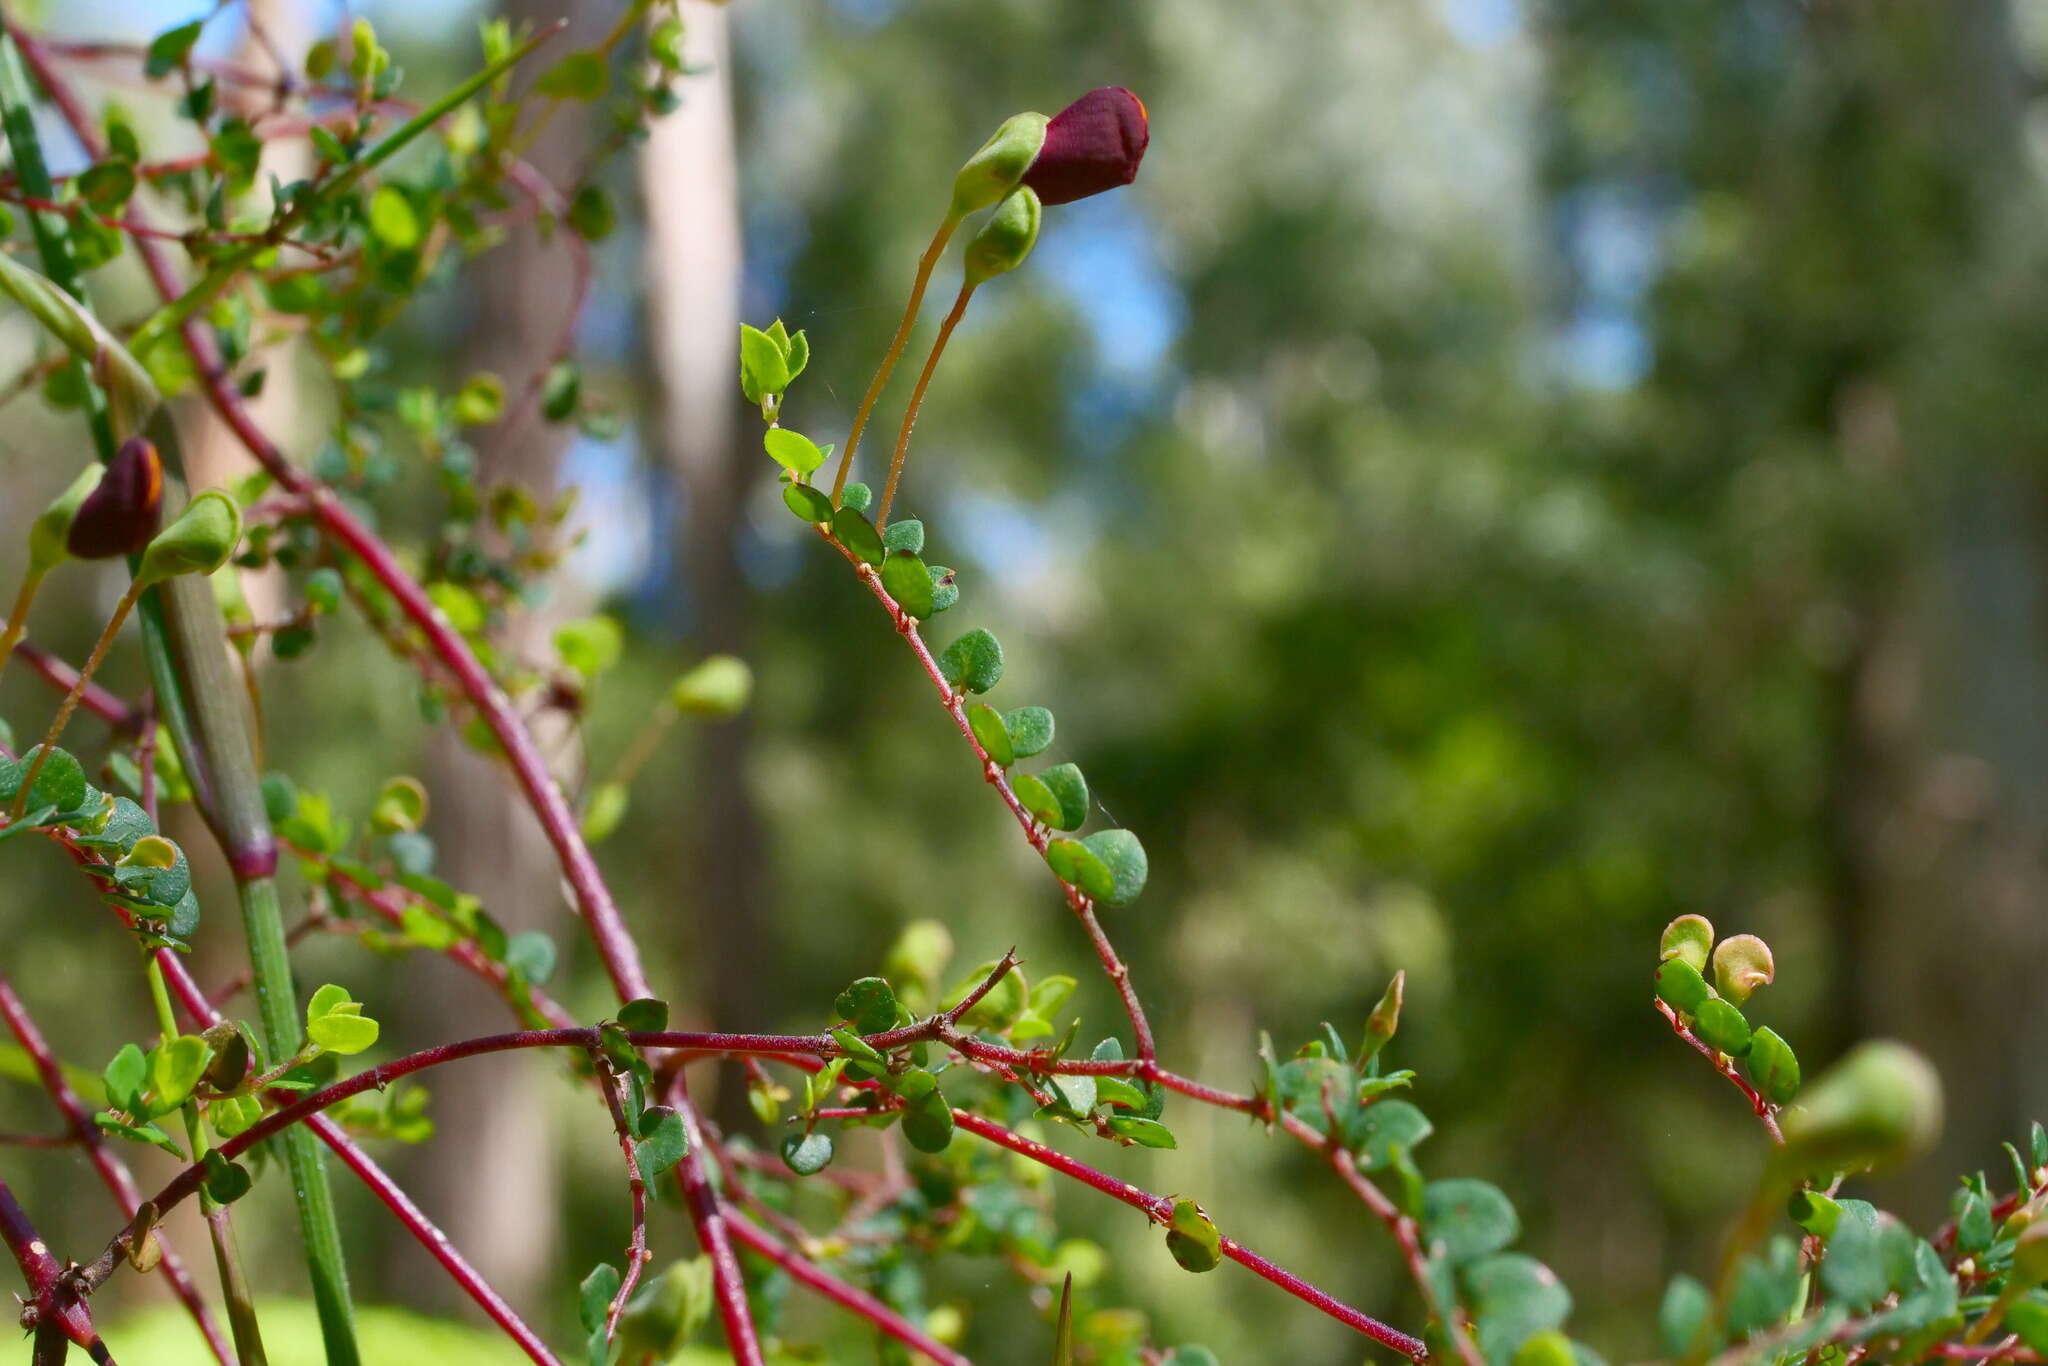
<point>495,1127</point>
<point>1941,804</point>
<point>690,181</point>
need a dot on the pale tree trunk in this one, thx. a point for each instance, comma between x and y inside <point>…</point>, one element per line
<point>496,1147</point>
<point>690,182</point>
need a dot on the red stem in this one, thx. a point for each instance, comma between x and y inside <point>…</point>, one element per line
<point>1765,1111</point>
<point>57,1301</point>
<point>112,1171</point>
<point>992,772</point>
<point>852,1297</point>
<point>1160,1209</point>
<point>95,699</point>
<point>387,1191</point>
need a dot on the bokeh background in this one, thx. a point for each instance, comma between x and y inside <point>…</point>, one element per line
<point>1507,474</point>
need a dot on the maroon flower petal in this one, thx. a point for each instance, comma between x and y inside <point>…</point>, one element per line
<point>1092,145</point>
<point>121,515</point>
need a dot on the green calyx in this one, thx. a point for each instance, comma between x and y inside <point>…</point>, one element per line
<point>1006,239</point>
<point>202,539</point>
<point>997,168</point>
<point>46,534</point>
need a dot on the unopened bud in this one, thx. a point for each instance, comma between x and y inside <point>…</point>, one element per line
<point>1879,1105</point>
<point>1000,165</point>
<point>202,539</point>
<point>1005,240</point>
<point>1385,1017</point>
<point>124,509</point>
<point>1690,937</point>
<point>1742,963</point>
<point>48,534</point>
<point>718,686</point>
<point>1093,145</point>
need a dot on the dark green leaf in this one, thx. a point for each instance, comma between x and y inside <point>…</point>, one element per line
<point>990,734</point>
<point>869,1005</point>
<point>974,662</point>
<point>226,1182</point>
<point>1766,1288</point>
<point>1149,1133</point>
<point>1074,863</point>
<point>1683,1317</point>
<point>1513,1297</point>
<point>857,534</point>
<point>807,503</point>
<point>928,1122</point>
<point>1030,730</point>
<point>1192,1238</point>
<point>807,1154</point>
<point>167,51</point>
<point>1037,798</point>
<point>1124,857</point>
<point>594,1296</point>
<point>1070,790</point>
<point>663,1141</point>
<point>532,954</point>
<point>945,592</point>
<point>905,534</point>
<point>647,1015</point>
<point>60,783</point>
<point>1384,1128</point>
<point>905,578</point>
<point>1469,1217</point>
<point>1721,1026</point>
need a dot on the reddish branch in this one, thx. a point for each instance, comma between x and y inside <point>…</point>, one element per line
<point>56,1314</point>
<point>1765,1111</point>
<point>112,1171</point>
<point>847,1296</point>
<point>95,699</point>
<point>387,1192</point>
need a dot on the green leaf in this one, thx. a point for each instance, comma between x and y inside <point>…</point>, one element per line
<point>974,662</point>
<point>647,1015</point>
<point>857,534</point>
<point>1384,1128</point>
<point>393,220</point>
<point>1070,790</point>
<point>793,451</point>
<point>1683,1317</point>
<point>663,1141</point>
<point>107,185</point>
<point>1471,1218</point>
<point>945,592</point>
<point>1148,1133</point>
<point>869,1004</point>
<point>1680,986</point>
<point>175,1070</point>
<point>1120,853</point>
<point>1192,1238</point>
<point>1076,1093</point>
<point>1063,1335</point>
<point>1037,799</point>
<point>591,215</point>
<point>905,534</point>
<point>60,783</point>
<point>856,496</point>
<point>343,1032</point>
<point>154,870</point>
<point>124,1078</point>
<point>1721,1026</point>
<point>594,1296</point>
<point>763,371</point>
<point>807,1154</point>
<point>226,1182</point>
<point>1030,730</point>
<point>1853,1269</point>
<point>591,645</point>
<point>531,953</point>
<point>140,1133</point>
<point>561,391</point>
<point>2028,1316</point>
<point>168,50</point>
<point>810,504</point>
<point>905,578</point>
<point>1513,1297</point>
<point>990,734</point>
<point>605,809</point>
<point>578,76</point>
<point>928,1122</point>
<point>1772,1066</point>
<point>1766,1289</point>
<point>1074,863</point>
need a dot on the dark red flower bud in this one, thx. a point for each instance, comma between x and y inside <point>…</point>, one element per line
<point>1092,145</point>
<point>121,515</point>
